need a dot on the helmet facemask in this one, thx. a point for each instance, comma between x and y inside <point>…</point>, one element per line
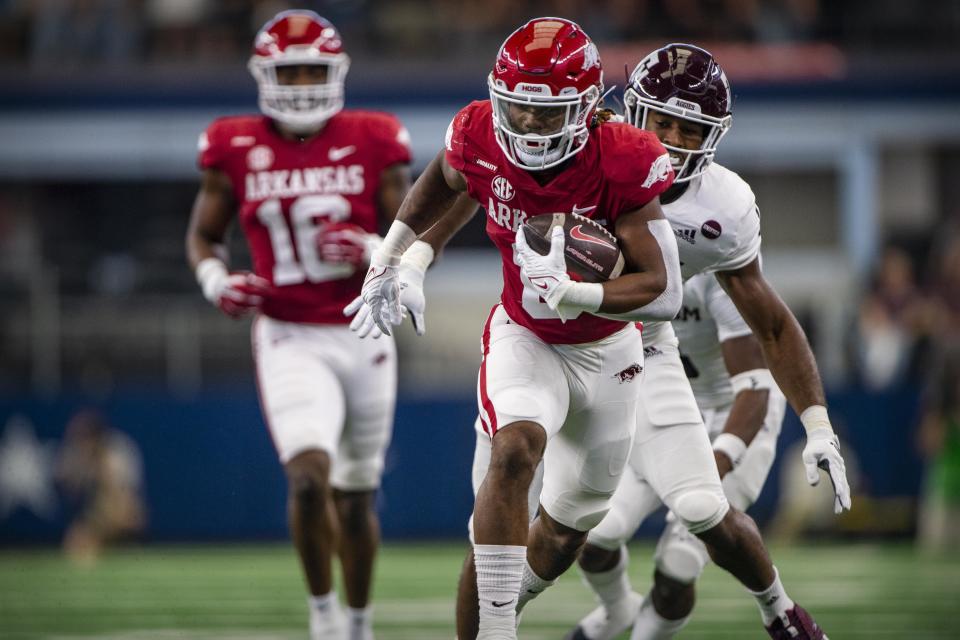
<point>566,118</point>
<point>687,163</point>
<point>301,108</point>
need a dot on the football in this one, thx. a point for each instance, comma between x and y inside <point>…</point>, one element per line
<point>591,252</point>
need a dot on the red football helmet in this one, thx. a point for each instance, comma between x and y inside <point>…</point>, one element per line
<point>683,81</point>
<point>544,89</point>
<point>299,38</point>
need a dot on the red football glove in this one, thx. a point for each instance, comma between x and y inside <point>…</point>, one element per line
<point>242,293</point>
<point>345,243</point>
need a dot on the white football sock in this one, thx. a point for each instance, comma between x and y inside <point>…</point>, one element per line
<point>773,601</point>
<point>531,586</point>
<point>650,625</point>
<point>499,572</point>
<point>611,586</point>
<point>326,618</point>
<point>360,623</point>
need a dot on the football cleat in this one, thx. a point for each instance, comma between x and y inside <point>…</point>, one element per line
<point>605,624</point>
<point>796,624</point>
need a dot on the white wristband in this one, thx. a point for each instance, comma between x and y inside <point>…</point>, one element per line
<point>418,256</point>
<point>731,446</point>
<point>211,274</point>
<point>753,380</point>
<point>815,417</point>
<point>587,296</point>
<point>399,238</point>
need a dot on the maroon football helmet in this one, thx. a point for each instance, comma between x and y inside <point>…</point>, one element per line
<point>297,38</point>
<point>683,81</point>
<point>549,68</point>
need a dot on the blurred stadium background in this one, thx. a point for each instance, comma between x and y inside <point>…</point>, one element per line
<point>846,124</point>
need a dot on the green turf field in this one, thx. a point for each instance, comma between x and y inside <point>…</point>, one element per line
<point>255,593</point>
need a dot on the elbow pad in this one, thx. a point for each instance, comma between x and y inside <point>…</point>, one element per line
<point>667,304</point>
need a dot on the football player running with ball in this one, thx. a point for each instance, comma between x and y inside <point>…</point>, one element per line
<point>681,94</point>
<point>551,354</point>
<point>309,182</point>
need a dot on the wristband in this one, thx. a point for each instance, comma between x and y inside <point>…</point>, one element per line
<point>418,256</point>
<point>399,238</point>
<point>586,296</point>
<point>731,446</point>
<point>210,273</point>
<point>753,380</point>
<point>815,417</point>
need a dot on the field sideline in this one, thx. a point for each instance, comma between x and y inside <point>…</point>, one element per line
<point>254,593</point>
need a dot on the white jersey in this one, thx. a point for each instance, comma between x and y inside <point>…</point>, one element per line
<point>707,318</point>
<point>717,224</point>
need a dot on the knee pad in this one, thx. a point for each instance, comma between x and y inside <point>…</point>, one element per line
<point>680,555</point>
<point>700,510</point>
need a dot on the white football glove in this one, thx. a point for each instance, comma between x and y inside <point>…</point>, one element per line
<point>823,452</point>
<point>412,300</point>
<point>545,275</point>
<point>381,293</point>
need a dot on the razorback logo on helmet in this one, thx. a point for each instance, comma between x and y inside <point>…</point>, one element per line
<point>591,57</point>
<point>659,170</point>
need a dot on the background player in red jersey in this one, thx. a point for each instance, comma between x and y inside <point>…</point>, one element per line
<point>553,354</point>
<point>309,183</point>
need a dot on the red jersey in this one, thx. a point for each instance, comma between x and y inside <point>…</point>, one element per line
<point>287,189</point>
<point>620,169</point>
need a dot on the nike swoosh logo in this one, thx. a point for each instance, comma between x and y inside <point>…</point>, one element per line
<point>339,153</point>
<point>500,604</point>
<point>582,210</point>
<point>542,285</point>
<point>577,234</point>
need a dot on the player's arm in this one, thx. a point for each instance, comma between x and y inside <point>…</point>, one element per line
<point>791,361</point>
<point>236,294</point>
<point>212,212</point>
<point>394,185</point>
<point>751,380</point>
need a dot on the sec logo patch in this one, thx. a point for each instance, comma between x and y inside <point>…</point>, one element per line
<point>260,158</point>
<point>502,188</point>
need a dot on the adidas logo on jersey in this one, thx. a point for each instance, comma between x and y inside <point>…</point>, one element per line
<point>690,235</point>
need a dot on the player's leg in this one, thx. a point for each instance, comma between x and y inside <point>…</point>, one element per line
<point>467,586</point>
<point>304,408</point>
<point>522,397</point>
<point>604,561</point>
<point>584,463</point>
<point>692,491</point>
<point>368,371</point>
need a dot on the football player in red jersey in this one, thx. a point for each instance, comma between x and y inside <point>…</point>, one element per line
<point>554,350</point>
<point>309,182</point>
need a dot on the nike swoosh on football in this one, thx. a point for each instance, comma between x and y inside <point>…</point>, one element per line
<point>577,234</point>
<point>581,210</point>
<point>339,153</point>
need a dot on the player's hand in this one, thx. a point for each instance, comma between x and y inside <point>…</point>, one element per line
<point>412,300</point>
<point>823,452</point>
<point>362,322</point>
<point>240,293</point>
<point>343,243</point>
<point>546,275</point>
<point>381,294</point>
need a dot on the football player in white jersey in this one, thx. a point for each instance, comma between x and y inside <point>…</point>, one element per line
<point>742,409</point>
<point>681,93</point>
